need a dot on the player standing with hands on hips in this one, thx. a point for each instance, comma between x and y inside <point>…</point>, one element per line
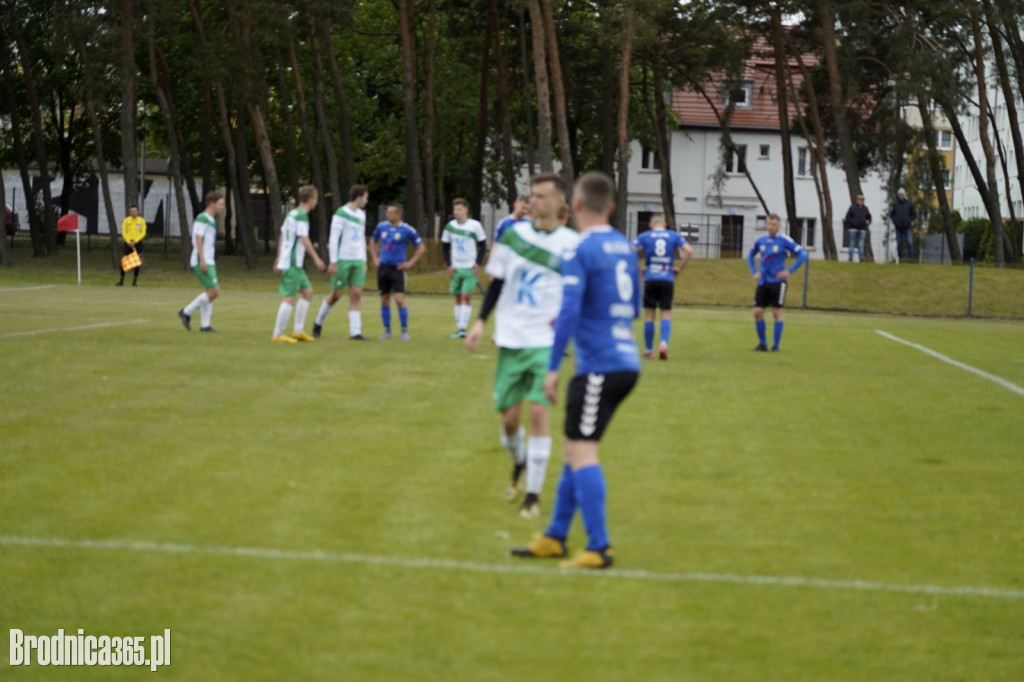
<point>600,300</point>
<point>773,249</point>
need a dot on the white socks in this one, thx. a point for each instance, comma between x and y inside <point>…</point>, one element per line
<point>462,315</point>
<point>538,452</point>
<point>301,308</point>
<point>196,303</point>
<point>205,313</point>
<point>283,313</point>
<point>355,323</point>
<point>516,445</point>
<point>325,309</point>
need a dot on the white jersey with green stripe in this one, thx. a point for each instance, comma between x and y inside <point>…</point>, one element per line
<point>204,226</point>
<point>293,251</point>
<point>348,235</point>
<point>529,261</point>
<point>463,237</point>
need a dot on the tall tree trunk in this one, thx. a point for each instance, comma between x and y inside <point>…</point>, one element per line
<point>344,111</point>
<point>935,168</point>
<point>49,219</point>
<point>414,210</point>
<point>320,108</point>
<point>174,166</point>
<point>1001,151</point>
<point>311,146</point>
<point>558,89</point>
<point>658,117</point>
<point>21,154</point>
<point>527,109</point>
<point>782,99</point>
<point>65,121</point>
<point>185,165</point>
<point>483,121</point>
<point>986,143</point>
<point>429,108</point>
<point>5,254</point>
<point>609,83</point>
<point>622,198</point>
<point>207,137</point>
<point>290,155</point>
<point>508,163</point>
<point>129,115</point>
<point>243,183</point>
<point>540,75</point>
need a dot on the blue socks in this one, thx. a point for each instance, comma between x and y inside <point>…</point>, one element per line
<point>649,336</point>
<point>590,496</point>
<point>778,334</point>
<point>403,316</point>
<point>565,506</point>
<point>385,316</point>
<point>666,331</point>
<point>761,329</point>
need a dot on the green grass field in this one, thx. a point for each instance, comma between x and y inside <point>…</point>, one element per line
<point>335,511</point>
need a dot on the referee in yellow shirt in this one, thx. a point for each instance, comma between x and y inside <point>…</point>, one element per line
<point>133,231</point>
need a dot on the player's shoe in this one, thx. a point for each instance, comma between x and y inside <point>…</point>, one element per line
<point>590,559</point>
<point>185,319</point>
<point>760,348</point>
<point>513,490</point>
<point>302,336</point>
<point>317,328</point>
<point>530,508</point>
<point>207,329</point>
<point>357,337</point>
<point>386,336</point>
<point>649,355</point>
<point>541,547</point>
<point>460,334</point>
<point>775,349</point>
<point>663,352</point>
<point>119,284</point>
<point>405,336</point>
<point>284,338</point>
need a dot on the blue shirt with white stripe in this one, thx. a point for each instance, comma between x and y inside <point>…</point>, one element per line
<point>660,248</point>
<point>773,252</point>
<point>393,240</point>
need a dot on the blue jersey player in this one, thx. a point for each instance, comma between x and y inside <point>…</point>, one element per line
<point>599,303</point>
<point>660,247</point>
<point>520,212</point>
<point>389,248</point>
<point>773,249</point>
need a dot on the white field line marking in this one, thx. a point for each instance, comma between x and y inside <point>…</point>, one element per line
<point>70,329</point>
<point>1008,385</point>
<point>513,568</point>
<point>44,286</point>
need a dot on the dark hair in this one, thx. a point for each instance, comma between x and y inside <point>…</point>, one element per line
<point>131,206</point>
<point>460,202</point>
<point>775,216</point>
<point>401,209</point>
<point>554,178</point>
<point>523,197</point>
<point>356,191</point>
<point>307,192</point>
<point>211,198</point>
<point>596,191</point>
<point>657,217</point>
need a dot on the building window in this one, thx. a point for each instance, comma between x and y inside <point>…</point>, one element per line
<point>649,160</point>
<point>764,151</point>
<point>736,160</point>
<point>804,162</point>
<point>802,232</point>
<point>760,223</point>
<point>741,94</point>
<point>944,139</point>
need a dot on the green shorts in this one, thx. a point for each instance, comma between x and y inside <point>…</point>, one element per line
<point>520,376</point>
<point>351,273</point>
<point>209,278</point>
<point>293,280</point>
<point>463,281</point>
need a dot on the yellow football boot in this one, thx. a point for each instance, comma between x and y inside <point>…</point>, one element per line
<point>283,339</point>
<point>541,547</point>
<point>302,336</point>
<point>589,559</point>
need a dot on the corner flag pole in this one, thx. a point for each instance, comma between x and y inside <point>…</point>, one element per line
<point>78,249</point>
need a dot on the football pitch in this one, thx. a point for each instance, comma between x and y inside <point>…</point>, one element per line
<point>847,509</point>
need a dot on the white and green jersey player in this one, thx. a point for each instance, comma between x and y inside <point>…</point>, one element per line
<point>204,243</point>
<point>292,246</point>
<point>464,244</point>
<point>347,252</point>
<point>526,294</point>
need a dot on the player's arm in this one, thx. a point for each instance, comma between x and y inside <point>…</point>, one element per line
<point>420,250</point>
<point>491,297</point>
<point>374,250</point>
<point>751,265</point>
<point>685,251</point>
<point>334,243</point>
<point>199,250</point>
<point>574,279</point>
<point>801,258</point>
<point>320,265</point>
<point>481,254</point>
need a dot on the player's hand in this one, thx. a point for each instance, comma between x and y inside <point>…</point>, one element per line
<point>333,269</point>
<point>476,332</point>
<point>757,276</point>
<point>320,265</point>
<point>782,274</point>
<point>677,270</point>
<point>404,265</point>
<point>451,271</point>
<point>476,269</point>
<point>551,387</point>
<point>202,268</point>
<point>376,262</point>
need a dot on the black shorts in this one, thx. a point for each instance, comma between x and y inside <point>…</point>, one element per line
<point>128,248</point>
<point>658,294</point>
<point>591,401</point>
<point>390,279</point>
<point>770,295</point>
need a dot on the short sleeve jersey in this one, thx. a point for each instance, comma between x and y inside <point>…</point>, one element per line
<point>393,240</point>
<point>773,252</point>
<point>206,227</point>
<point>463,237</point>
<point>293,251</point>
<point>660,248</point>
<point>506,223</point>
<point>348,235</point>
<point>529,262</point>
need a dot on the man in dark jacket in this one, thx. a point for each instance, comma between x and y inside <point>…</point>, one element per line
<point>858,218</point>
<point>902,215</point>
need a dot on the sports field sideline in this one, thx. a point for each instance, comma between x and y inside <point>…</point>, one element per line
<point>847,509</point>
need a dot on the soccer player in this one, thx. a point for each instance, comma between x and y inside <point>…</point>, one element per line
<point>660,247</point>
<point>394,236</point>
<point>772,278</point>
<point>520,211</point>
<point>133,231</point>
<point>292,246</point>
<point>204,243</point>
<point>464,244</point>
<point>347,254</point>
<point>526,289</point>
<point>601,299</point>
